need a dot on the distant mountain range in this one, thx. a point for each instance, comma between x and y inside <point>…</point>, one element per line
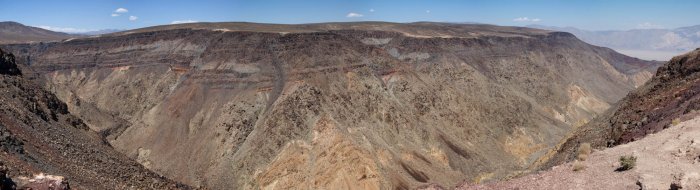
<point>659,44</point>
<point>99,32</point>
<point>373,105</point>
<point>650,44</point>
<point>13,32</point>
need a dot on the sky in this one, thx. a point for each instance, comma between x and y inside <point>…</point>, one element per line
<point>90,15</point>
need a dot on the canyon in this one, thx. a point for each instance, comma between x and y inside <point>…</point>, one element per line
<point>38,135</point>
<point>645,43</point>
<point>368,105</point>
<point>657,123</point>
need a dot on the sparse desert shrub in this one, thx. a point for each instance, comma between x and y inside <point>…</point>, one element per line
<point>676,121</point>
<point>627,162</point>
<point>580,123</point>
<point>582,157</point>
<point>578,166</point>
<point>583,151</point>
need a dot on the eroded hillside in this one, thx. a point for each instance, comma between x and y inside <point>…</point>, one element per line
<point>672,95</point>
<point>340,105</point>
<point>665,160</point>
<point>658,124</point>
<point>38,134</point>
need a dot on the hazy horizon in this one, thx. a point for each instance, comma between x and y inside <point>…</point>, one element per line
<point>83,16</point>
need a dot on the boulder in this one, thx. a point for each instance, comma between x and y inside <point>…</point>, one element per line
<point>7,64</point>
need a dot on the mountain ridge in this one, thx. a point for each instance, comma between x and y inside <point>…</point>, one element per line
<point>13,32</point>
<point>39,135</point>
<point>658,44</point>
<point>374,105</point>
<point>669,97</point>
<point>658,124</point>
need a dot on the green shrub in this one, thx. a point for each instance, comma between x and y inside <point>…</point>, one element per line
<point>676,121</point>
<point>627,162</point>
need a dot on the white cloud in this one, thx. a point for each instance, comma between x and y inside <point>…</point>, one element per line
<point>649,25</point>
<point>354,15</point>
<point>525,19</point>
<point>66,30</point>
<point>182,21</point>
<point>115,15</point>
<point>133,18</point>
<point>121,10</point>
<point>371,10</point>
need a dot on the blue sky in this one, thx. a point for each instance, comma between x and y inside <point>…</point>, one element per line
<point>84,15</point>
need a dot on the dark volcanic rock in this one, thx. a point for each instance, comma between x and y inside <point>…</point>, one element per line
<point>8,143</point>
<point>7,64</point>
<point>333,105</point>
<point>38,134</point>
<point>6,182</point>
<point>671,96</point>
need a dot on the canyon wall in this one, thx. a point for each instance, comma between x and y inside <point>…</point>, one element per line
<point>339,105</point>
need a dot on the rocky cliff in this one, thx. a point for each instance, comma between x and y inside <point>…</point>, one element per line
<point>336,105</point>
<point>658,123</point>
<point>38,134</point>
<point>665,160</point>
<point>670,97</point>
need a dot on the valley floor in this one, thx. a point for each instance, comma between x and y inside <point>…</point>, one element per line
<point>671,156</point>
<point>650,54</point>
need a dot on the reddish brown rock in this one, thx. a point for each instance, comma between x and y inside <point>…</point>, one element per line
<point>370,104</point>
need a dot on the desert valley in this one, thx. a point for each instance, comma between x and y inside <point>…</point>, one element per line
<point>347,105</point>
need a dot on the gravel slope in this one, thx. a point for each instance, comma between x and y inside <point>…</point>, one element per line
<point>241,105</point>
<point>39,135</point>
<point>670,156</point>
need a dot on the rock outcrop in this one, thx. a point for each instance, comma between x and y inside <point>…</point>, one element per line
<point>6,182</point>
<point>38,134</point>
<point>658,124</point>
<point>671,96</point>
<point>335,105</point>
<point>38,182</point>
<point>43,182</point>
<point>669,159</point>
<point>7,64</point>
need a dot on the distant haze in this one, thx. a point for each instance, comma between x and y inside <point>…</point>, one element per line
<point>651,54</point>
<point>89,15</point>
<point>100,32</point>
<point>650,44</point>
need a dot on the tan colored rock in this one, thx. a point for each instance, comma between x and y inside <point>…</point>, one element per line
<point>227,105</point>
<point>657,167</point>
<point>43,182</point>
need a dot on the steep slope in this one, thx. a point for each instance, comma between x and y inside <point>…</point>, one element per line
<point>658,123</point>
<point>334,105</point>
<point>12,32</point>
<point>672,94</point>
<point>665,160</point>
<point>38,134</point>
